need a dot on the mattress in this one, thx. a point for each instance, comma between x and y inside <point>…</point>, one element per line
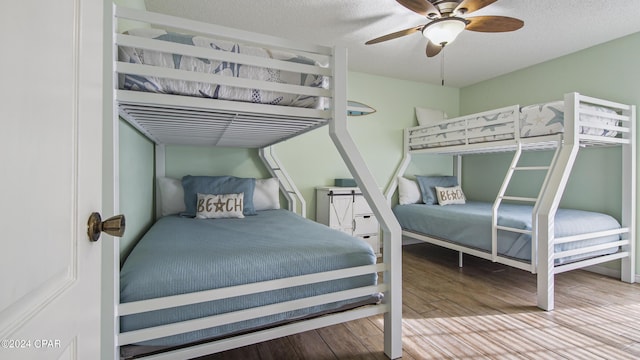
<point>548,118</point>
<point>469,225</point>
<point>181,255</point>
<point>534,120</point>
<point>223,68</point>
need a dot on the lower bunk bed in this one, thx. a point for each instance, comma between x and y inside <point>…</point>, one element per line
<point>525,231</point>
<point>182,255</point>
<point>442,224</point>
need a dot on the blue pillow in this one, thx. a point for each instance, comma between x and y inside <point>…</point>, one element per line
<point>428,186</point>
<point>217,185</point>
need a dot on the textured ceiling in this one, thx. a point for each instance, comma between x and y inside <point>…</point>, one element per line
<point>552,28</point>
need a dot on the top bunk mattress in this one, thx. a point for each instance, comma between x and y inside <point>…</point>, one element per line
<point>163,85</point>
<point>548,119</point>
<point>180,255</point>
<point>532,121</point>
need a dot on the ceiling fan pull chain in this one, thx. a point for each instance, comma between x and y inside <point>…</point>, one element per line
<point>442,67</point>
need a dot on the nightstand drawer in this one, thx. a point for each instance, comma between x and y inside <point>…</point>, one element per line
<point>373,241</point>
<point>366,224</point>
<point>361,206</point>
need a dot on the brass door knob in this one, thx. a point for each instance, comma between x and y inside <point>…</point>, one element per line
<point>113,226</point>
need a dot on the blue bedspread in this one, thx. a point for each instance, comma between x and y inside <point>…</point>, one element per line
<point>470,225</point>
<point>181,255</point>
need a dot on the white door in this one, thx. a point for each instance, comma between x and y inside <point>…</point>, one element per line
<point>51,119</point>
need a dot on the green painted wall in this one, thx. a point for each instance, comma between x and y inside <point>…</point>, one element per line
<point>192,160</point>
<point>136,185</point>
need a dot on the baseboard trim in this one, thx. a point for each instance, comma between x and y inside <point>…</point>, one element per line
<point>604,270</point>
<point>607,271</point>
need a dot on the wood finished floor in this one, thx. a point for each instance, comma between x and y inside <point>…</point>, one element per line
<point>482,311</point>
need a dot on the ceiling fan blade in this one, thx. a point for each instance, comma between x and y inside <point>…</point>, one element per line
<point>395,35</point>
<point>433,49</point>
<point>468,6</point>
<point>422,7</point>
<point>493,23</point>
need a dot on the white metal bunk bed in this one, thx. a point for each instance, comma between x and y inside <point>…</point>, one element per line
<point>587,122</point>
<point>176,119</point>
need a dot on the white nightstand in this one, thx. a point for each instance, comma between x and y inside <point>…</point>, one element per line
<point>346,209</point>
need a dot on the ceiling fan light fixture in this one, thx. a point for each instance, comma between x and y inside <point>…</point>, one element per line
<point>444,31</point>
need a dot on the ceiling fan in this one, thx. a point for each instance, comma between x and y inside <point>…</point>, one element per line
<point>448,22</point>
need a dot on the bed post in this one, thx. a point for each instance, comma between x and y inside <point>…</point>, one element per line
<point>457,168</point>
<point>457,172</point>
<point>628,265</point>
<point>160,156</point>
<point>550,201</point>
<point>392,245</point>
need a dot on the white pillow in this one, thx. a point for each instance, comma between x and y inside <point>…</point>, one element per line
<point>450,195</point>
<point>171,196</point>
<point>220,206</point>
<point>429,116</point>
<point>408,191</point>
<point>266,195</point>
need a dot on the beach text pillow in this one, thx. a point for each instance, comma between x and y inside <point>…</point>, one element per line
<point>194,185</point>
<point>211,206</point>
<point>450,195</point>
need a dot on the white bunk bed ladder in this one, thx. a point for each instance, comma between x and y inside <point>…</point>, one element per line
<point>287,186</point>
<point>513,168</point>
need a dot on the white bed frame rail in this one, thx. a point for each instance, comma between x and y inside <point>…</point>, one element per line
<point>462,130</point>
<point>168,119</point>
<point>566,146</point>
